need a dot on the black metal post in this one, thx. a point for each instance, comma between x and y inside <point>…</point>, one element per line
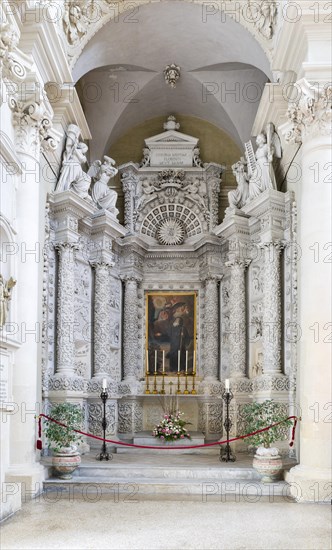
<point>104,455</point>
<point>227,455</point>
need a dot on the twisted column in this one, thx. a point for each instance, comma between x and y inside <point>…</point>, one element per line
<point>130,328</point>
<point>237,307</point>
<point>65,309</point>
<point>101,326</point>
<point>272,308</point>
<point>211,326</point>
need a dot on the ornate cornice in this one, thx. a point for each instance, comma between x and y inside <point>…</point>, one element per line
<point>312,114</point>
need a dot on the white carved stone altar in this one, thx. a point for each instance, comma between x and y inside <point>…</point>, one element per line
<point>97,275</point>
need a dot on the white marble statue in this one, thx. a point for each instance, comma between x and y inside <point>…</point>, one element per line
<point>75,22</point>
<point>193,190</point>
<point>72,174</point>
<point>239,196</point>
<point>264,15</point>
<point>102,195</point>
<point>5,296</point>
<point>263,176</point>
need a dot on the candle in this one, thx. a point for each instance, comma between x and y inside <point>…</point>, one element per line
<point>186,360</point>
<point>194,363</point>
<point>179,360</point>
<point>147,362</point>
<point>104,384</point>
<point>155,361</point>
<point>227,385</point>
<point>163,360</point>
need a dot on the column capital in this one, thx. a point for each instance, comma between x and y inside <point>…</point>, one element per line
<point>238,262</point>
<point>311,115</point>
<point>33,126</point>
<point>102,264</point>
<point>66,246</point>
<point>211,277</point>
<point>131,277</point>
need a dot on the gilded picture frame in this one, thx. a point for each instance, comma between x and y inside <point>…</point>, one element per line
<point>170,332</point>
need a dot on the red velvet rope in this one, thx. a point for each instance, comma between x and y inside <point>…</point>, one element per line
<point>173,447</point>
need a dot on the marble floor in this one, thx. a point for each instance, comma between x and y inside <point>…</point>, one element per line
<point>112,522</point>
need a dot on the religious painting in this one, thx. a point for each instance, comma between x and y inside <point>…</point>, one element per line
<point>170,332</point>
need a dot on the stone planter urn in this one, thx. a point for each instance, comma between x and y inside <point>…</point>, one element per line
<point>65,461</point>
<point>268,463</point>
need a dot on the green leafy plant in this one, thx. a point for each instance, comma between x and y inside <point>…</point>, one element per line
<point>261,415</point>
<point>59,436</point>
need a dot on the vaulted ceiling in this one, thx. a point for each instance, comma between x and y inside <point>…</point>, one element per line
<point>120,76</point>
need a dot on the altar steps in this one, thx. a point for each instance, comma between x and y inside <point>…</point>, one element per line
<point>143,477</point>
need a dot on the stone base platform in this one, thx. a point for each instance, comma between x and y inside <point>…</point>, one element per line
<point>146,476</point>
<point>145,438</point>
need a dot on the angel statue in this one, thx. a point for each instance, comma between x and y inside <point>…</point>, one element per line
<point>238,197</point>
<point>72,174</point>
<point>5,296</point>
<point>102,195</point>
<point>262,174</point>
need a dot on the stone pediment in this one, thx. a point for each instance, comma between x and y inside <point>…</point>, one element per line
<point>171,135</point>
<point>171,147</point>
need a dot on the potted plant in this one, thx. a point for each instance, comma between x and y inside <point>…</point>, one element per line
<point>267,460</point>
<point>62,440</point>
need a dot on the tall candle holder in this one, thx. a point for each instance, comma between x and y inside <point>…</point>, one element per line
<point>178,390</point>
<point>104,454</point>
<point>193,391</point>
<point>155,383</point>
<point>227,455</point>
<point>147,389</point>
<point>163,383</point>
<point>186,391</point>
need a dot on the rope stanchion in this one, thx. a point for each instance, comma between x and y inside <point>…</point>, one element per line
<point>115,442</point>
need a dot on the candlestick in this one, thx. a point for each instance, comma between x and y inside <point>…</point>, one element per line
<point>155,361</point>
<point>227,455</point>
<point>155,383</point>
<point>194,363</point>
<point>163,383</point>
<point>147,361</point>
<point>179,360</point>
<point>227,385</point>
<point>186,360</point>
<point>104,455</point>
<point>147,390</point>
<point>178,390</point>
<point>186,384</point>
<point>193,391</point>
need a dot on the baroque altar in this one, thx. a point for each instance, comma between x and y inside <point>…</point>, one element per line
<point>173,289</point>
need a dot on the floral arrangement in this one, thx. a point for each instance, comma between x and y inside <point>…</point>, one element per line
<point>171,427</point>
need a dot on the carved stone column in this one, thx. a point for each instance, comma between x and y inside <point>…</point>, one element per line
<point>130,329</point>
<point>211,328</point>
<point>272,330</point>
<point>65,310</point>
<point>311,123</point>
<point>237,309</point>
<point>102,329</point>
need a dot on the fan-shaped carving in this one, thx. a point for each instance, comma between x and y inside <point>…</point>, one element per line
<point>188,219</point>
